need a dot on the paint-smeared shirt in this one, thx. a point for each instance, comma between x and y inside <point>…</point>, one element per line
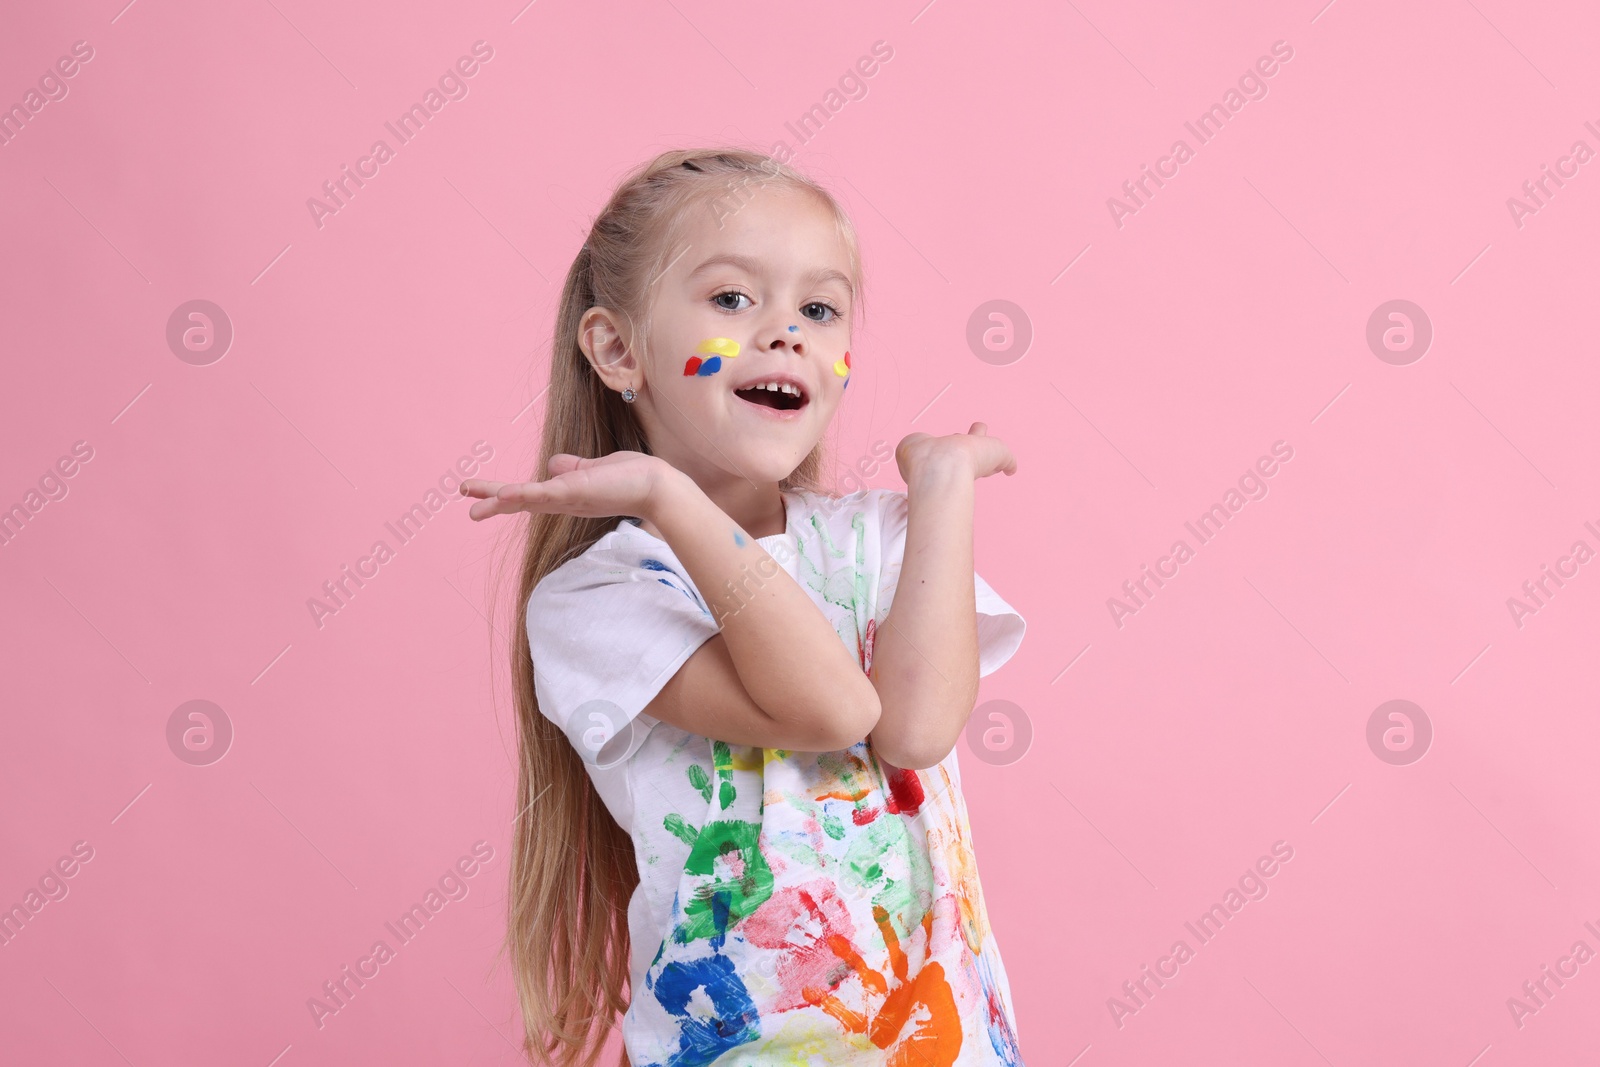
<point>793,907</point>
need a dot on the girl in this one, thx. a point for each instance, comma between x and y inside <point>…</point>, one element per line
<point>738,787</point>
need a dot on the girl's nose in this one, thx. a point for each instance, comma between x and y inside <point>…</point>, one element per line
<point>787,336</point>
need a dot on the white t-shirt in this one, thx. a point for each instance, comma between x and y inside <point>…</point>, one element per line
<point>792,907</point>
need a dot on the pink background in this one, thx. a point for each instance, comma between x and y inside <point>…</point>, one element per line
<point>1227,313</point>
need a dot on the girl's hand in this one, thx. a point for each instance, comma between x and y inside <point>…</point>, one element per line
<point>621,483</point>
<point>974,452</point>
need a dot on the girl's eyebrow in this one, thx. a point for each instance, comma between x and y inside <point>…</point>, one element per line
<point>753,266</point>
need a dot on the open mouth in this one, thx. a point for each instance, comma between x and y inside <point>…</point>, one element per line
<point>783,397</point>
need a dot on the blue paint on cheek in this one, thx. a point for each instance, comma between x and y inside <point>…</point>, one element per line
<point>710,366</point>
<point>738,538</point>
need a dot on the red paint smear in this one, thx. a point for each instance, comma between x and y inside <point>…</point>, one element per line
<point>862,816</point>
<point>691,366</point>
<point>814,965</point>
<point>905,792</point>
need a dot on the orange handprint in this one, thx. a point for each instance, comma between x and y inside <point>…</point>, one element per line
<point>936,1039</point>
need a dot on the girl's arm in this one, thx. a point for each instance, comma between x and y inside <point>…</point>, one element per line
<point>925,656</point>
<point>803,682</point>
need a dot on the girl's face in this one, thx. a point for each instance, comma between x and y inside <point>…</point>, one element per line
<point>762,295</point>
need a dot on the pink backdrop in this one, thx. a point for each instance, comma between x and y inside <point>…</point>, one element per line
<point>1148,356</point>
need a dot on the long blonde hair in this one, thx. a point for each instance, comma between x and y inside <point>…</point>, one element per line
<point>573,869</point>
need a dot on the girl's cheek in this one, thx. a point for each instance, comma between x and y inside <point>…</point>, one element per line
<point>841,367</point>
<point>718,349</point>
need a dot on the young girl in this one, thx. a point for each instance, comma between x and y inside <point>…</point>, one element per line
<point>739,696</point>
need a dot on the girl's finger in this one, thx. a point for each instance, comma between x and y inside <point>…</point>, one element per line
<point>1010,463</point>
<point>479,488</point>
<point>523,492</point>
<point>510,504</point>
<point>999,457</point>
<point>558,493</point>
<point>485,509</point>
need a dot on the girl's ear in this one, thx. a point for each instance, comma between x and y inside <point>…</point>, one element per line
<point>605,343</point>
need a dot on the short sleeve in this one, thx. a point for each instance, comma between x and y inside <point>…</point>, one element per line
<point>606,631</point>
<point>1000,626</point>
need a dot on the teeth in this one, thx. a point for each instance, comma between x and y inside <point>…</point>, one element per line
<point>777,387</point>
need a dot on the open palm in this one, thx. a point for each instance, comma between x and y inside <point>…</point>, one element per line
<point>620,483</point>
<point>976,450</point>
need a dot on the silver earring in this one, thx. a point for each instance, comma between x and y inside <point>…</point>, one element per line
<point>628,395</point>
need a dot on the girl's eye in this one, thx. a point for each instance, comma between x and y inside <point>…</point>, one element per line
<point>833,311</point>
<point>733,293</point>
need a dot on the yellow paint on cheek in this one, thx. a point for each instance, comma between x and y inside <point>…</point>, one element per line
<point>719,346</point>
